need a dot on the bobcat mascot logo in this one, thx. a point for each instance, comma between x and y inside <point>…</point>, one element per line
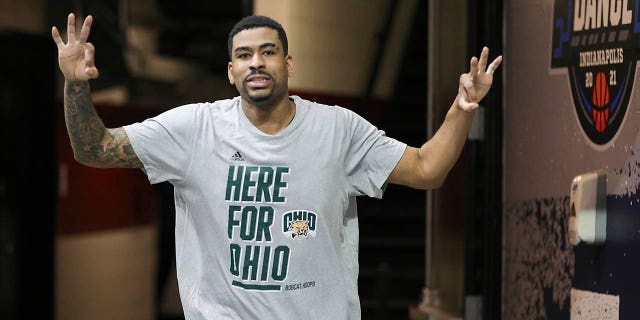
<point>299,224</point>
<point>299,229</point>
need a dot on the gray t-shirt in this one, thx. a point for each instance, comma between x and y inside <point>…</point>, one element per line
<point>266,225</point>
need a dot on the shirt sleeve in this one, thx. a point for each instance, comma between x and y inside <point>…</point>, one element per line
<point>164,144</point>
<point>370,156</point>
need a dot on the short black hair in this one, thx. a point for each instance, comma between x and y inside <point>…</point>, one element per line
<point>251,22</point>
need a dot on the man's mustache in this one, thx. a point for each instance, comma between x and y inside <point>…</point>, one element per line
<point>257,72</point>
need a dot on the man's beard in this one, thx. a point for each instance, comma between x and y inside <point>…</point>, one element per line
<point>259,98</point>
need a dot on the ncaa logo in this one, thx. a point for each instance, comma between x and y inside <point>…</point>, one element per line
<point>299,224</point>
<point>596,40</point>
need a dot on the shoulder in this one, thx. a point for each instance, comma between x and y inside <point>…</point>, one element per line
<point>323,110</point>
<point>333,116</point>
<point>198,110</point>
<point>215,106</point>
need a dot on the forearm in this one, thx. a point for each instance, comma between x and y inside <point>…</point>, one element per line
<point>440,153</point>
<point>85,128</point>
<point>93,144</point>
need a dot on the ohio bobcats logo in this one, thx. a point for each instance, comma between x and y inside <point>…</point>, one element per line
<point>299,229</point>
<point>299,224</point>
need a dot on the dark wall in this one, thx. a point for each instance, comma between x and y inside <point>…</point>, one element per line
<point>27,176</point>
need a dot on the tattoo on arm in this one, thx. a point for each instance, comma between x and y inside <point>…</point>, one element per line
<point>92,143</point>
<point>117,150</point>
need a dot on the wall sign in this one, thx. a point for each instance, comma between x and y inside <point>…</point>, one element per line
<point>597,40</point>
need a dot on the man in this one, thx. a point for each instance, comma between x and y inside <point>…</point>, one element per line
<point>265,184</point>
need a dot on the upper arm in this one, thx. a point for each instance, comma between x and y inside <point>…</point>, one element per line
<point>117,151</point>
<point>410,171</point>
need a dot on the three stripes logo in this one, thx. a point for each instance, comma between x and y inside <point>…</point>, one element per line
<point>237,157</point>
<point>596,41</point>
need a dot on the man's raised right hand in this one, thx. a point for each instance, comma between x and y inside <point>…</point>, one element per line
<point>76,57</point>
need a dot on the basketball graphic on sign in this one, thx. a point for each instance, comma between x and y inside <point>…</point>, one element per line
<point>600,102</point>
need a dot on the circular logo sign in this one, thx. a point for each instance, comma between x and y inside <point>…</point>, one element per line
<point>596,40</point>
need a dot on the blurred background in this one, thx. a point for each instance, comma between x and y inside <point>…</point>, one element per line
<point>84,243</point>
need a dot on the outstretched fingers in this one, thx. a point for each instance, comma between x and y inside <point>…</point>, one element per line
<point>71,28</point>
<point>57,38</point>
<point>494,65</point>
<point>475,85</point>
<point>86,28</point>
<point>473,70</point>
<point>484,56</point>
<point>71,31</point>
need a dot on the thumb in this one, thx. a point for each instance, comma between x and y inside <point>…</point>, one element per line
<point>89,56</point>
<point>463,101</point>
<point>92,72</point>
<point>467,85</point>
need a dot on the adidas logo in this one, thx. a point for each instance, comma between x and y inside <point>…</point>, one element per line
<point>237,156</point>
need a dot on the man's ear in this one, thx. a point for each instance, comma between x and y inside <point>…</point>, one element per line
<point>229,74</point>
<point>289,61</point>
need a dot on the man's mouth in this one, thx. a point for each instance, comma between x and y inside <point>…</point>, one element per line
<point>258,81</point>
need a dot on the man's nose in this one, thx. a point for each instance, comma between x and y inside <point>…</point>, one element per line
<point>256,61</point>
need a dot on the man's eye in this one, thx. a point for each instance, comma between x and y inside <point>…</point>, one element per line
<point>243,56</point>
<point>268,53</point>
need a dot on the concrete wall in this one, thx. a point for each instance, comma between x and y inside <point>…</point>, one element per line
<point>333,42</point>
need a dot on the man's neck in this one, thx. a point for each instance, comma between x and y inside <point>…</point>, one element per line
<point>270,119</point>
